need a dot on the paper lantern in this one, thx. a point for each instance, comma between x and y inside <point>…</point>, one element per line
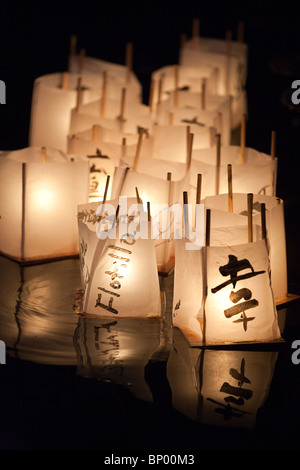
<point>37,317</point>
<point>117,74</point>
<point>275,225</point>
<point>52,101</point>
<point>119,267</point>
<point>38,219</point>
<point>171,78</point>
<point>253,171</point>
<point>117,350</point>
<point>200,112</point>
<point>119,115</point>
<point>239,306</point>
<point>230,59</point>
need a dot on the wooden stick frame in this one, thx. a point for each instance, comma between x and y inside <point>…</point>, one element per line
<point>230,196</point>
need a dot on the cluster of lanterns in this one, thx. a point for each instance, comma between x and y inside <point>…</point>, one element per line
<point>94,144</point>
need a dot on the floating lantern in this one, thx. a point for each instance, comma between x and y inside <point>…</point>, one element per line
<point>119,271</point>
<point>54,96</point>
<point>275,228</point>
<point>38,219</point>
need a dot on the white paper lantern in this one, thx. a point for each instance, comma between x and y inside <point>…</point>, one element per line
<point>52,102</point>
<point>38,203</point>
<point>275,224</point>
<point>119,274</point>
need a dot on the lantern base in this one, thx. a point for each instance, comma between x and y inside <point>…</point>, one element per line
<point>195,340</point>
<point>35,261</point>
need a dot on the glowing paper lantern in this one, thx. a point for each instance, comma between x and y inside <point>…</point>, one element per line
<point>38,220</point>
<point>53,98</point>
<point>175,77</point>
<point>275,225</point>
<point>118,76</point>
<point>119,272</point>
<point>200,112</point>
<point>119,115</point>
<point>253,172</point>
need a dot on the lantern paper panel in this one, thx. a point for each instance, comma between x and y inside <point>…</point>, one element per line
<point>117,350</point>
<point>188,294</point>
<point>37,317</point>
<point>128,120</point>
<point>256,175</point>
<point>41,211</point>
<point>122,277</point>
<point>203,124</point>
<point>185,78</point>
<point>239,306</point>
<point>52,104</point>
<point>104,135</point>
<point>275,224</point>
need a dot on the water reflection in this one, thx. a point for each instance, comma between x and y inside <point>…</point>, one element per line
<point>39,323</point>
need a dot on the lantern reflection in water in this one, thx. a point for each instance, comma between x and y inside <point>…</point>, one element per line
<point>220,387</point>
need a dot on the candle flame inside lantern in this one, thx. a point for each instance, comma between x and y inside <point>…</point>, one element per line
<point>44,198</point>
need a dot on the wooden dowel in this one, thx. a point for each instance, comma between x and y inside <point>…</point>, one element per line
<point>122,105</point>
<point>79,94</point>
<point>151,94</point>
<point>139,201</point>
<point>160,87</point>
<point>123,147</point>
<point>218,162</point>
<point>185,214</point>
<point>82,54</point>
<point>123,180</point>
<point>43,154</point>
<point>243,138</point>
<point>129,55</point>
<point>195,32</point>
<point>228,54</point>
<point>138,149</point>
<point>190,150</point>
<point>169,176</point>
<point>273,145</point>
<point>250,218</point>
<point>263,221</point>
<point>207,227</point>
<point>106,188</point>
<point>95,133</point>
<point>148,211</point>
<point>176,84</point>
<point>198,190</point>
<point>188,131</point>
<point>64,80</point>
<point>230,197</point>
<point>103,94</point>
<point>73,45</point>
<point>203,94</point>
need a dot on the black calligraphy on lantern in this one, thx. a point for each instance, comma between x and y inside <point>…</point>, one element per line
<point>232,269</point>
<point>120,258</point>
